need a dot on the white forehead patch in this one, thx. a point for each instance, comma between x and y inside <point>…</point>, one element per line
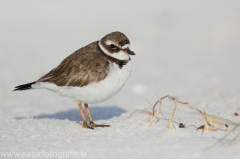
<point>125,46</point>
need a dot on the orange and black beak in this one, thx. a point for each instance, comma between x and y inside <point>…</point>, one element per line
<point>129,52</point>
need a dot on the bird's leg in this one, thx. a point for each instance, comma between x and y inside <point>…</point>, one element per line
<point>84,125</point>
<point>91,123</point>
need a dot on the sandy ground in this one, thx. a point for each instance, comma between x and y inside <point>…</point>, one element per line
<point>187,49</point>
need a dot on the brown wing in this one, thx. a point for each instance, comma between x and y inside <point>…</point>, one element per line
<point>79,69</point>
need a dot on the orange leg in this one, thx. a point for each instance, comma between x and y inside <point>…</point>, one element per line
<point>84,125</point>
<point>88,112</point>
<point>91,123</point>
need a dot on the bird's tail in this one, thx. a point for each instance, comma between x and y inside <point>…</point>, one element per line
<point>24,86</point>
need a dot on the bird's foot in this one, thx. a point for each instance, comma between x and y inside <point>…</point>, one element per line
<point>85,125</point>
<point>92,124</point>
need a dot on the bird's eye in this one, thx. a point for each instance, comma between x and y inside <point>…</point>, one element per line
<point>113,46</point>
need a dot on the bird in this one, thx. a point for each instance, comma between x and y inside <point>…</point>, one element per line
<point>90,75</point>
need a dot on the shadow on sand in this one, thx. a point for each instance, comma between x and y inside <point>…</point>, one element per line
<point>98,113</point>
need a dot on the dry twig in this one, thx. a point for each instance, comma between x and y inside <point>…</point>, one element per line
<point>208,119</point>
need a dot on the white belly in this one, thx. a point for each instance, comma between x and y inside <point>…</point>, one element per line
<point>94,92</point>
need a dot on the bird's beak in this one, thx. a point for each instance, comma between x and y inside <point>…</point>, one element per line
<point>129,52</point>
